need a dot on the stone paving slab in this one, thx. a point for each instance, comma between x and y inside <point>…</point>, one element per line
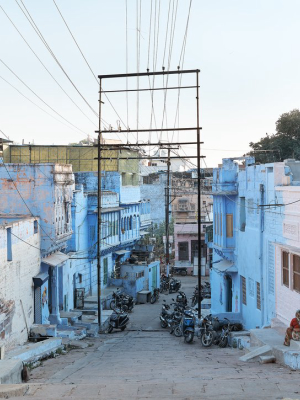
<point>156,365</point>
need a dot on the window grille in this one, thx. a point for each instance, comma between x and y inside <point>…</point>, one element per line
<point>285,269</point>
<point>244,291</point>
<point>258,303</point>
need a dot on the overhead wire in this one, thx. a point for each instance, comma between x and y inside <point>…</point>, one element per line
<point>27,98</point>
<point>91,70</point>
<point>51,108</point>
<point>40,35</point>
<point>41,62</point>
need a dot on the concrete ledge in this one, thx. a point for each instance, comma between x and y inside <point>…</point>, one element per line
<point>8,391</point>
<point>10,371</point>
<point>285,355</point>
<point>35,351</point>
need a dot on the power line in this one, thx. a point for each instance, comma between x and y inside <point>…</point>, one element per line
<point>51,108</point>
<point>4,134</point>
<point>45,66</point>
<point>27,98</point>
<point>90,68</point>
<point>38,32</point>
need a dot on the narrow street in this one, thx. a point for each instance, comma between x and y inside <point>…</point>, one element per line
<point>146,362</point>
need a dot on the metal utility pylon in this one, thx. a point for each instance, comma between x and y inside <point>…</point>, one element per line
<point>116,146</point>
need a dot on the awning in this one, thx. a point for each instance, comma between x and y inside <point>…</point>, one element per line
<point>225,266</point>
<point>55,259</point>
<point>109,209</point>
<point>143,233</point>
<point>40,279</point>
<point>121,252</point>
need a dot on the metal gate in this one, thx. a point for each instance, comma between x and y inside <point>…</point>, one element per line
<point>154,276</point>
<point>37,305</point>
<point>79,298</point>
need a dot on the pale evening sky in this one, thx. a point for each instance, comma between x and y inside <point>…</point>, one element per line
<point>247,51</point>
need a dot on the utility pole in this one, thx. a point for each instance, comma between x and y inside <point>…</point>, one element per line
<point>199,197</point>
<point>167,214</point>
<point>99,214</point>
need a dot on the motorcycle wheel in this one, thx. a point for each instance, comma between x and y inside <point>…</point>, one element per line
<point>153,299</point>
<point>110,329</point>
<point>112,305</point>
<point>183,273</point>
<point>223,342</point>
<point>178,331</point>
<point>163,324</point>
<point>123,328</point>
<point>188,338</point>
<point>207,339</point>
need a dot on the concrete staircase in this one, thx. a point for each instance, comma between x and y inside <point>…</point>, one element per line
<point>266,345</point>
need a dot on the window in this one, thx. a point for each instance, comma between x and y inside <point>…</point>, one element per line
<point>296,273</point>
<point>105,271</point>
<point>182,205</point>
<point>242,214</point>
<point>258,303</point>
<point>244,292</point>
<point>8,244</point>
<point>285,269</point>
<point>229,225</point>
<point>35,227</point>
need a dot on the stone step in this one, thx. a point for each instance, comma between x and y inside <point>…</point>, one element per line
<point>256,352</point>
<point>35,351</point>
<point>267,359</point>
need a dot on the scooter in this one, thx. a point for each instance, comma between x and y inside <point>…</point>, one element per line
<point>118,320</point>
<point>174,285</point>
<point>188,326</point>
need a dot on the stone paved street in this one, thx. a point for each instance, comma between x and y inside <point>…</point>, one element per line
<point>152,364</point>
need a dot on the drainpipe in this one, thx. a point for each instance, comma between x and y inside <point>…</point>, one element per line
<point>262,227</point>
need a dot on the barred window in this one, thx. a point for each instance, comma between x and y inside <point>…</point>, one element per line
<point>285,269</point>
<point>258,302</point>
<point>244,292</point>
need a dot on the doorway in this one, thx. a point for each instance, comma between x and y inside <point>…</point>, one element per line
<point>183,248</point>
<point>228,293</point>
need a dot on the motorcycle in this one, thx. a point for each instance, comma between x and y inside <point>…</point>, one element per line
<point>179,271</point>
<point>181,298</point>
<point>174,285</point>
<point>118,320</point>
<point>122,301</point>
<point>206,333</point>
<point>154,296</point>
<point>165,315</point>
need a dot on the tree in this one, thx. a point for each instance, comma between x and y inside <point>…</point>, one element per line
<point>283,144</point>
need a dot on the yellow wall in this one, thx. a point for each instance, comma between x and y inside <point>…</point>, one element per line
<point>82,158</point>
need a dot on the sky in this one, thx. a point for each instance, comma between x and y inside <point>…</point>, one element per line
<point>247,51</point>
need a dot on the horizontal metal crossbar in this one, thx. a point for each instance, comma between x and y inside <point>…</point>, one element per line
<point>149,130</point>
<point>178,72</point>
<point>149,89</point>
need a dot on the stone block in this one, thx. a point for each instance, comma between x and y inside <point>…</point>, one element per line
<point>10,371</point>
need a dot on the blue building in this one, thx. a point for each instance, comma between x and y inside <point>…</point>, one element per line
<point>249,226</point>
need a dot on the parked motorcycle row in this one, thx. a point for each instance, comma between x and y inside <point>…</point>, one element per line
<point>168,284</point>
<point>182,320</point>
<point>205,293</point>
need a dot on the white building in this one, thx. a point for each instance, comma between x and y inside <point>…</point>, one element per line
<point>20,261</point>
